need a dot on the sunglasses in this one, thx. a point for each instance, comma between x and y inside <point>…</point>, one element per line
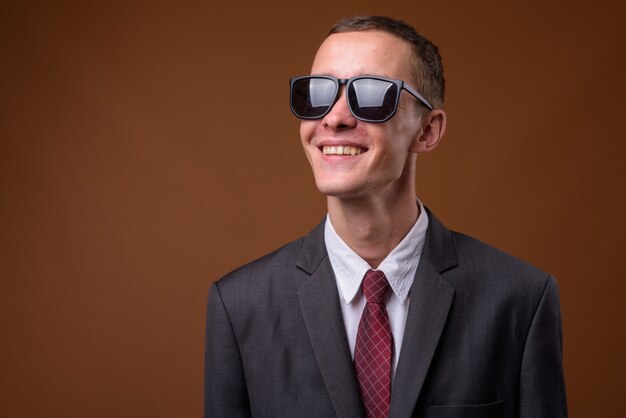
<point>370,99</point>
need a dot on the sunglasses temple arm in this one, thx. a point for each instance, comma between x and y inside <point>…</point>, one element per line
<point>418,96</point>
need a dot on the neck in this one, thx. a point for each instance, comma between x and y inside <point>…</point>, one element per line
<point>373,226</point>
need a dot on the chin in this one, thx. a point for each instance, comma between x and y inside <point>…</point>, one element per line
<point>330,190</point>
<point>336,190</point>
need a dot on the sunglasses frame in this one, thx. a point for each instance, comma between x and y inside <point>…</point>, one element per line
<point>400,84</point>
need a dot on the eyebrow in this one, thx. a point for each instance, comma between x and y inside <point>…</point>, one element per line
<point>356,75</point>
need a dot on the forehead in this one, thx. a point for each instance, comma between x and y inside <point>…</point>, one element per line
<point>370,52</point>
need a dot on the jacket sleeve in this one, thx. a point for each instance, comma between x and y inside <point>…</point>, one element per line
<point>225,392</point>
<point>542,386</point>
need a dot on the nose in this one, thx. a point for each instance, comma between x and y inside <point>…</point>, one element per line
<point>340,116</point>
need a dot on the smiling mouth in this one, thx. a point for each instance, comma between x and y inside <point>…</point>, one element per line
<point>342,150</point>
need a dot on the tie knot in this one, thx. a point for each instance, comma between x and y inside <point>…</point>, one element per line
<point>375,286</point>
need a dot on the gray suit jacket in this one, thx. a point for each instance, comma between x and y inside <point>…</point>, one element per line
<point>482,337</point>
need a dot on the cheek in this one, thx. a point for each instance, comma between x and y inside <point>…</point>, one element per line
<point>406,132</point>
<point>307,129</point>
<point>396,141</point>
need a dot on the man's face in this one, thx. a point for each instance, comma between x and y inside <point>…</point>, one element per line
<point>382,163</point>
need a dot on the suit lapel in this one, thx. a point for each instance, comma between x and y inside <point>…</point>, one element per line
<point>431,299</point>
<point>319,302</point>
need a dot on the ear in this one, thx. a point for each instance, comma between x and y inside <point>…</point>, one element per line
<point>431,132</point>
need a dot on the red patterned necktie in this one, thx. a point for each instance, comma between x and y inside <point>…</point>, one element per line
<point>372,352</point>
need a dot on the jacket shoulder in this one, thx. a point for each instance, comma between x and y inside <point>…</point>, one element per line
<point>262,290</point>
<point>266,266</point>
<point>496,268</point>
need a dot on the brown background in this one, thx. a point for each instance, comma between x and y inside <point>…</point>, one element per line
<point>147,149</point>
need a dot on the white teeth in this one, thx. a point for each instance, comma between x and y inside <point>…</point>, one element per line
<point>342,150</point>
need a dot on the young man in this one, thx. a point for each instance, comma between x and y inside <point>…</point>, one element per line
<point>380,310</point>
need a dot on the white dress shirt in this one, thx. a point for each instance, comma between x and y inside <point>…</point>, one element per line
<point>399,267</point>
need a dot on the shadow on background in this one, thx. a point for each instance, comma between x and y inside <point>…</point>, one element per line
<point>148,149</point>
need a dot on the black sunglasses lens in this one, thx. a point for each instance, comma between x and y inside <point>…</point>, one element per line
<point>312,97</point>
<point>372,99</point>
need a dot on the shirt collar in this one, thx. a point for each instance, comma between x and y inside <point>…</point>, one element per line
<point>399,266</point>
